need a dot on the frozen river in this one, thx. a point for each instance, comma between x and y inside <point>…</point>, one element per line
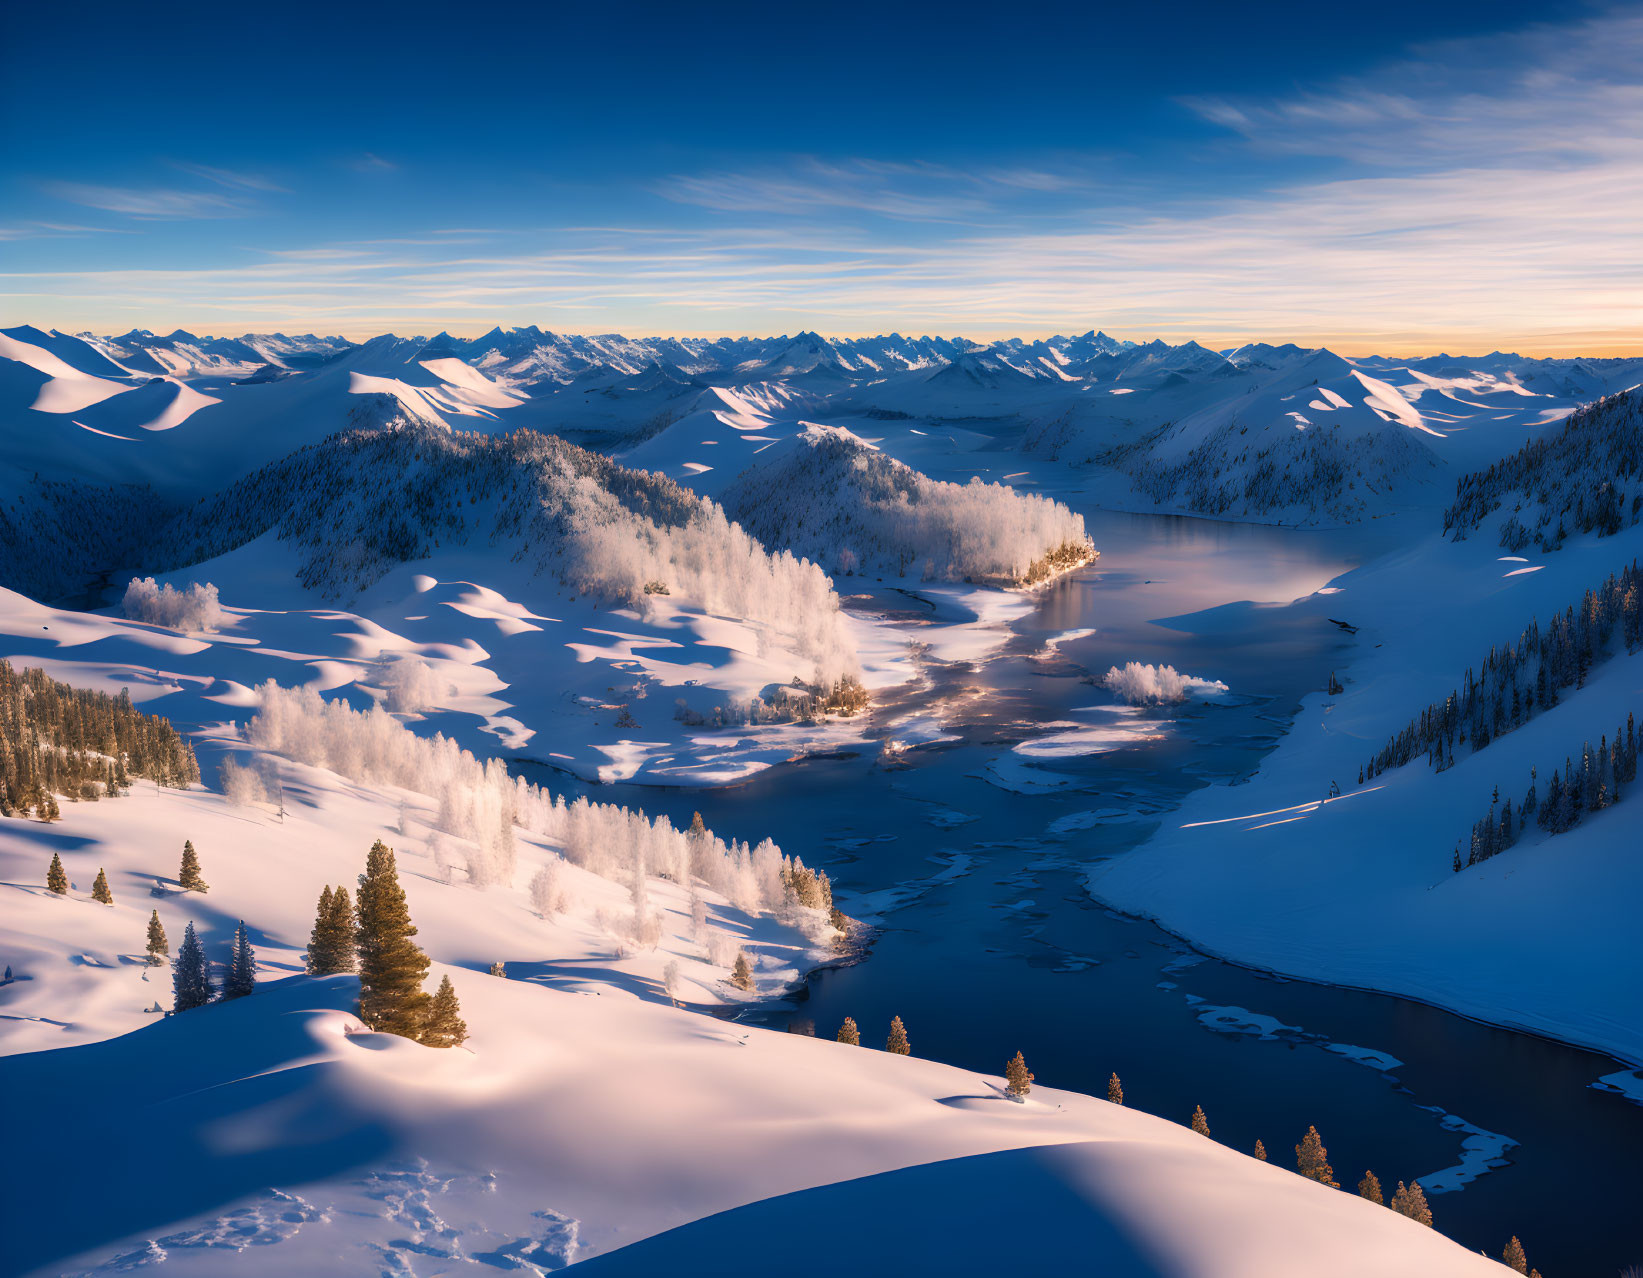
<point>969,859</point>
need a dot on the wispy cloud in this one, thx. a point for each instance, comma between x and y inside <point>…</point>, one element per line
<point>234,181</point>
<point>147,202</point>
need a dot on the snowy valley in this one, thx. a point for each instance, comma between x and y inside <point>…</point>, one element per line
<point>988,650</point>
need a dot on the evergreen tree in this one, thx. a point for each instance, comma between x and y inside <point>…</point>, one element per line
<point>444,1026</point>
<point>1411,1202</point>
<point>897,1042</point>
<point>242,967</point>
<point>391,967</point>
<point>319,940</point>
<point>340,930</point>
<point>1369,1187</point>
<point>1018,1077</point>
<point>1513,1257</point>
<point>99,889</point>
<point>189,875</point>
<point>57,877</point>
<point>1260,1151</point>
<point>190,977</point>
<point>1200,1124</point>
<point>1312,1159</point>
<point>158,946</point>
<point>848,1033</point>
<point>741,975</point>
<point>1115,1090</point>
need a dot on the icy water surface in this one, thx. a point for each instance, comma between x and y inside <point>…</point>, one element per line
<point>970,858</point>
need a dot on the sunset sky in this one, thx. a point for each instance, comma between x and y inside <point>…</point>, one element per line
<point>1416,177</point>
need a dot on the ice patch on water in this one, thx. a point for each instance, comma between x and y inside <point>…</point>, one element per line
<point>1240,1020</point>
<point>1626,1082</point>
<point>1481,1152</point>
<point>1087,820</point>
<point>1365,1056</point>
<point>1022,778</point>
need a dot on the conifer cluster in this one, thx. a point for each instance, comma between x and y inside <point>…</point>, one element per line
<point>1570,478</point>
<point>60,740</point>
<point>1516,682</point>
<point>392,967</point>
<point>331,944</point>
<point>1411,1202</point>
<point>1595,781</point>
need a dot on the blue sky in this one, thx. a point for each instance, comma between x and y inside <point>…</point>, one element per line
<point>1412,177</point>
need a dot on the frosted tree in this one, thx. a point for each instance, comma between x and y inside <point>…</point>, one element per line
<point>848,1033</point>
<point>1200,1124</point>
<point>1312,1159</point>
<point>670,981</point>
<point>56,876</point>
<point>444,1026</point>
<point>242,967</point>
<point>189,875</point>
<point>1370,1187</point>
<point>391,966</point>
<point>99,889</point>
<point>897,1042</point>
<point>741,975</point>
<point>158,946</point>
<point>190,977</point>
<point>1115,1090</point>
<point>546,897</point>
<point>1018,1078</point>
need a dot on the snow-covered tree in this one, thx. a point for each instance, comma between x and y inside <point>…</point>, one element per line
<point>741,975</point>
<point>56,876</point>
<point>190,975</point>
<point>242,967</point>
<point>99,889</point>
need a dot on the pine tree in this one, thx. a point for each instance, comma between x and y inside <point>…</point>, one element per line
<point>741,975</point>
<point>444,1026</point>
<point>57,877</point>
<point>848,1033</point>
<point>1018,1077</point>
<point>242,967</point>
<point>1411,1202</point>
<point>1312,1159</point>
<point>319,949</point>
<point>99,889</point>
<point>1200,1124</point>
<point>391,967</point>
<point>340,931</point>
<point>1115,1090</point>
<point>1260,1151</point>
<point>158,946</point>
<point>1369,1187</point>
<point>1513,1257</point>
<point>190,977</point>
<point>897,1042</point>
<point>189,875</point>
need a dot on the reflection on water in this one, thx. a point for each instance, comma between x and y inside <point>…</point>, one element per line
<point>989,942</point>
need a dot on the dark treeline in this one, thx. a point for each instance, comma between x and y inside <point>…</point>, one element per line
<point>1594,781</point>
<point>57,535</point>
<point>1569,481</point>
<point>1518,681</point>
<point>55,739</point>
